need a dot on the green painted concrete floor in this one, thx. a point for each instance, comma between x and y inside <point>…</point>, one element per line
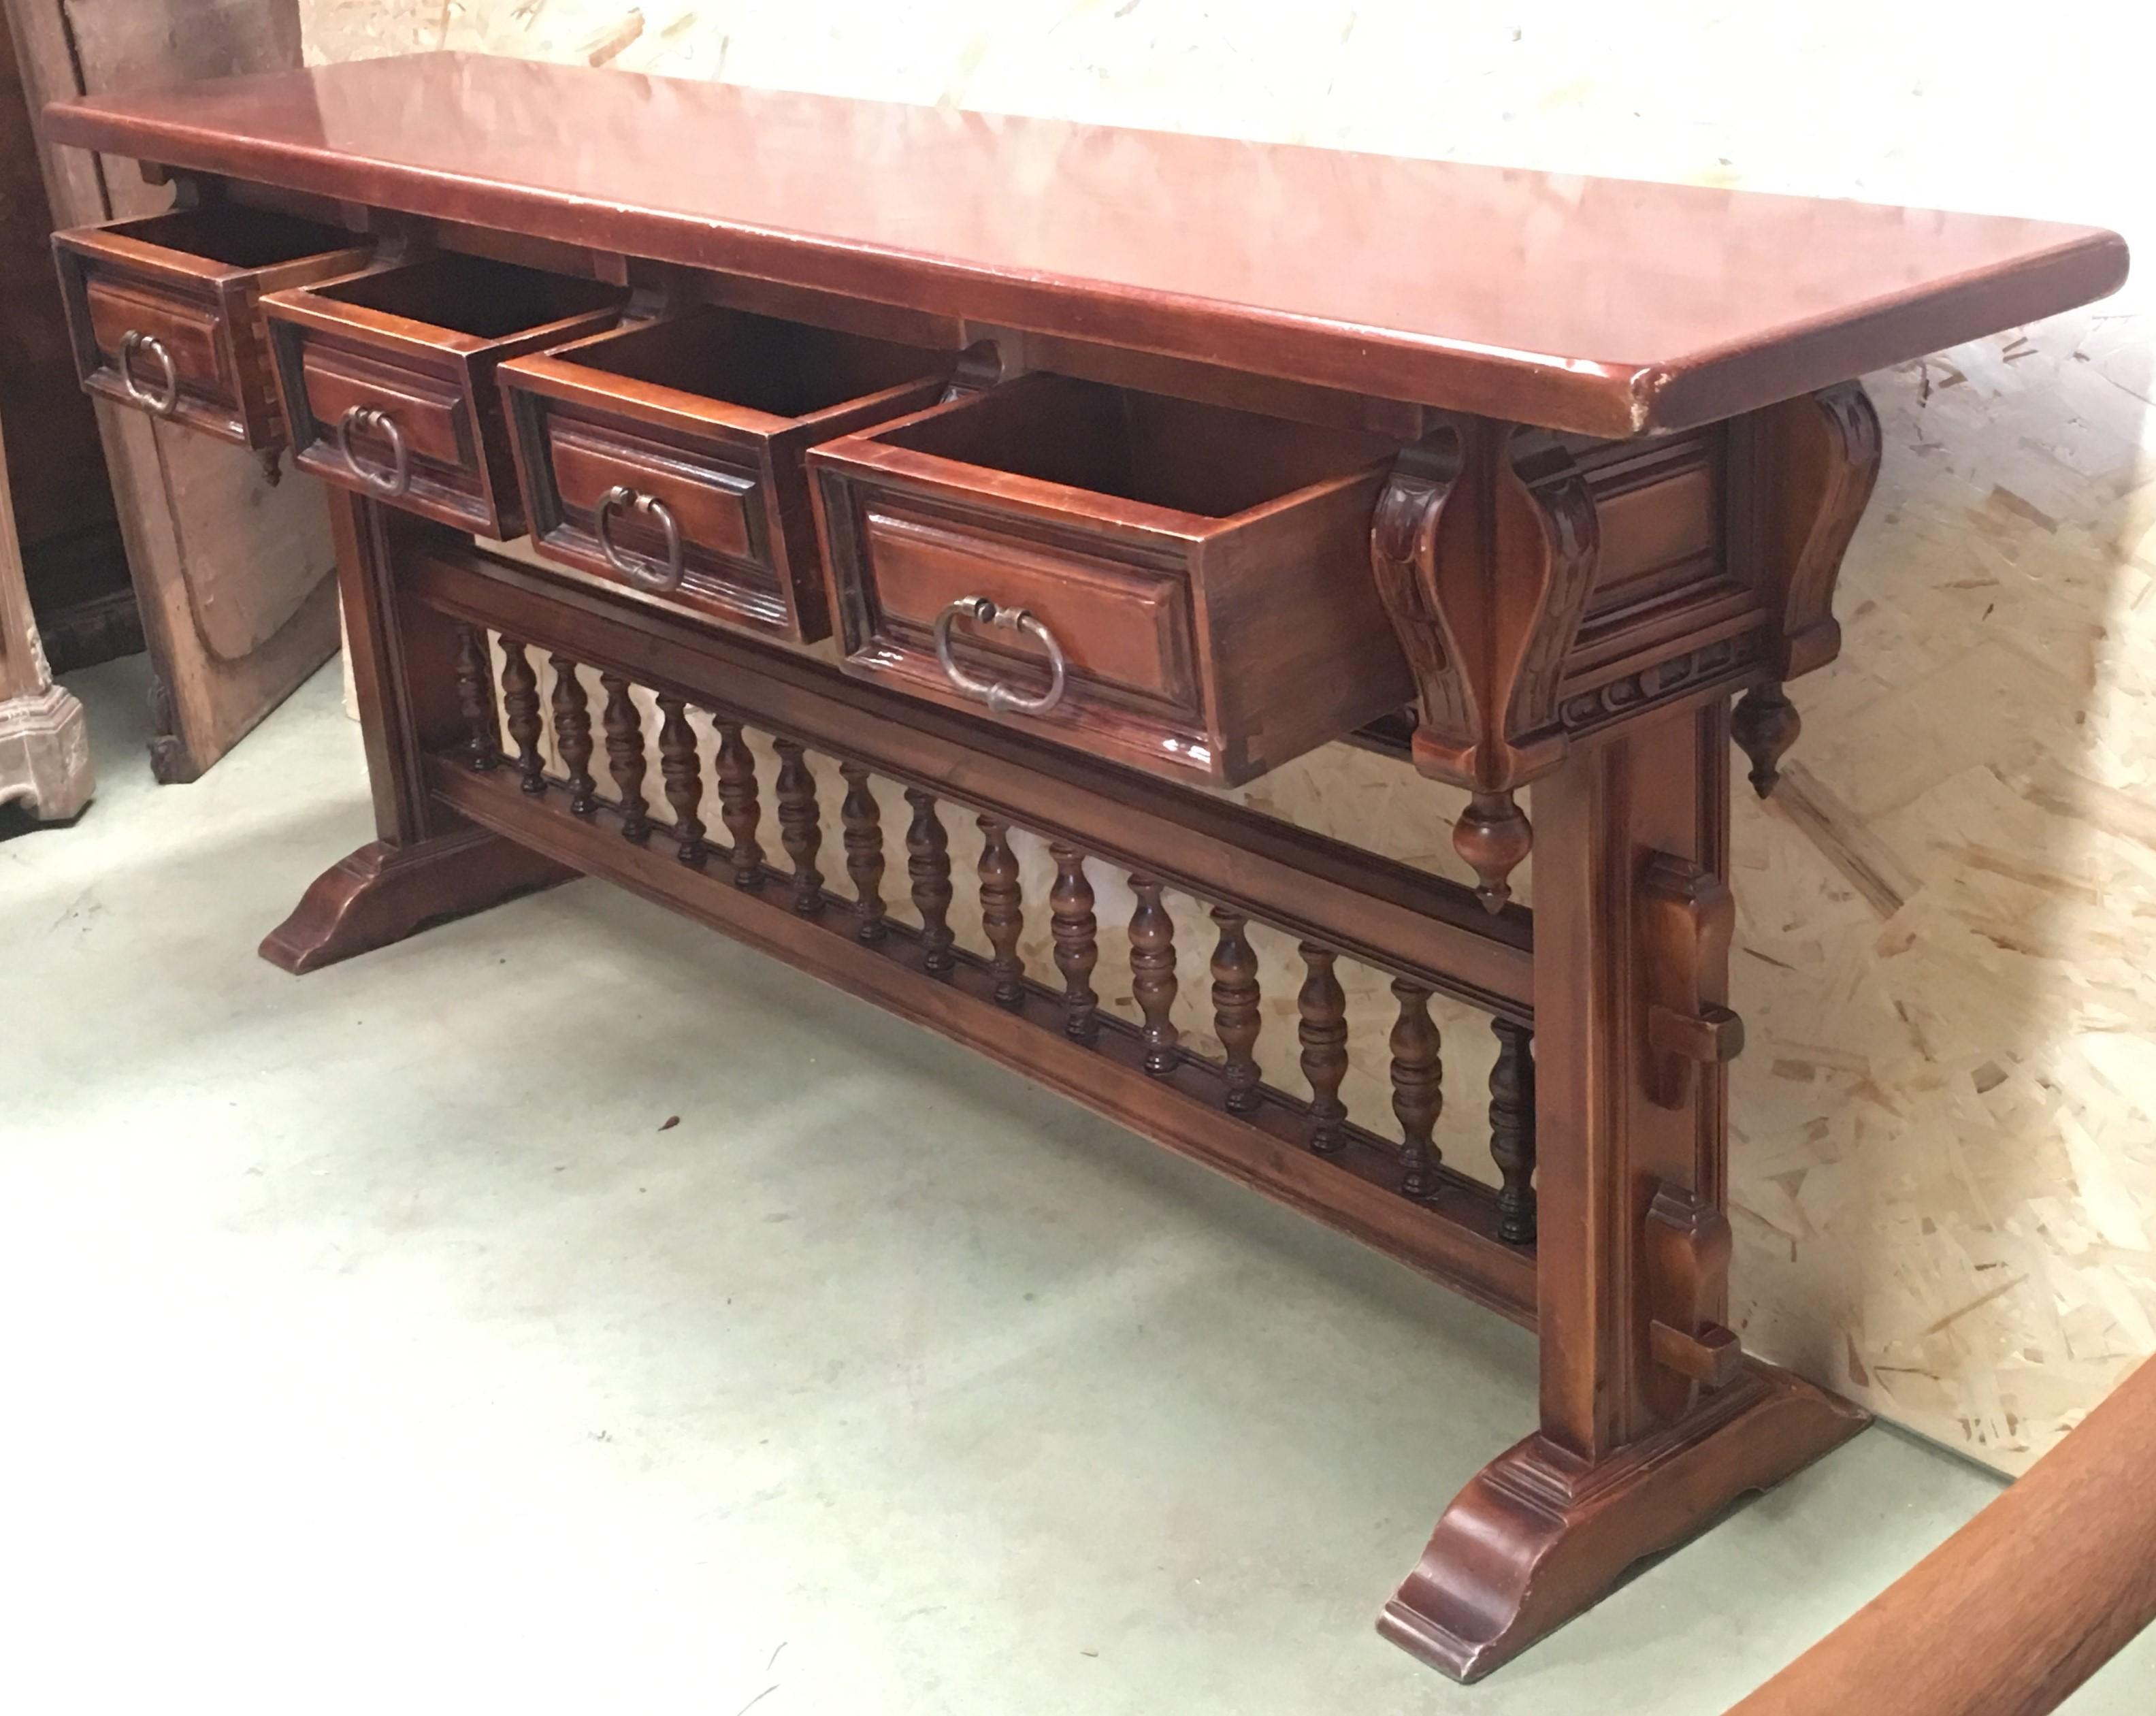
<point>375,1343</point>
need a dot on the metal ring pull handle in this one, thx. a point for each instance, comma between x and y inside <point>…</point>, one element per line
<point>1000,698</point>
<point>638,571</point>
<point>397,478</point>
<point>164,404</point>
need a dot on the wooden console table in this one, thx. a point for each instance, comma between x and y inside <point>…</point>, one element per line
<point>1056,472</point>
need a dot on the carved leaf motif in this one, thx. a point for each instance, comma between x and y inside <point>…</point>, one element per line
<point>1404,538</point>
<point>1560,512</point>
<point>1483,556</point>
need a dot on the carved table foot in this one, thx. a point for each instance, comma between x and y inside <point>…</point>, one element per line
<point>382,893</point>
<point>44,753</point>
<point>1540,1535</point>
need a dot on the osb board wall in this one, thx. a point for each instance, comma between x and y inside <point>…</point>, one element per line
<point>1944,1180</point>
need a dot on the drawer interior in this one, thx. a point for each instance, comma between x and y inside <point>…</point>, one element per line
<point>238,236</point>
<point>758,363</point>
<point>473,296</point>
<point>1210,461</point>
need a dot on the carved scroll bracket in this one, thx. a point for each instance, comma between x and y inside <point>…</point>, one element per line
<point>1686,1255</point>
<point>1686,920</point>
<point>1484,544</point>
<point>1815,460</point>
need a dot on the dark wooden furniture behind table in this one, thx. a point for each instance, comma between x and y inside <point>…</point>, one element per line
<point>1023,463</point>
<point>73,559</point>
<point>233,570</point>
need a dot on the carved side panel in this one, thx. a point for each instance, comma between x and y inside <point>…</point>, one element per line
<point>1484,554</point>
<point>1815,462</point>
<point>1818,463</point>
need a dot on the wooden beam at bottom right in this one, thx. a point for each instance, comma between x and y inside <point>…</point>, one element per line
<point>2017,1608</point>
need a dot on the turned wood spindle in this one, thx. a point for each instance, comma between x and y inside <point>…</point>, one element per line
<point>1513,1130</point>
<point>684,779</point>
<point>1077,946</point>
<point>1418,1086</point>
<point>1152,974</point>
<point>1764,724</point>
<point>800,825</point>
<point>520,699</point>
<point>1323,1034</point>
<point>1235,1019</point>
<point>1492,834</point>
<point>573,736</point>
<point>1002,918</point>
<point>863,823</point>
<point>475,699</point>
<point>624,750</point>
<point>738,806</point>
<point>928,866</point>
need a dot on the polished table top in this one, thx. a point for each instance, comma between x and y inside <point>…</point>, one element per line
<point>1605,306</point>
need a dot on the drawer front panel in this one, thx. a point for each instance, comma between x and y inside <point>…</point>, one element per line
<point>1201,570</point>
<point>191,279</point>
<point>194,334</point>
<point>419,341</point>
<point>708,411</point>
<point>1121,627</point>
<point>719,512</point>
<point>431,416</point>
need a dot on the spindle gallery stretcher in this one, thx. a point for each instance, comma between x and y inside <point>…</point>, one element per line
<point>1054,472</point>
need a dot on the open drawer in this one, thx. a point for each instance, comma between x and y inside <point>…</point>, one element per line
<point>1182,587</point>
<point>163,311</point>
<point>388,377</point>
<point>668,455</point>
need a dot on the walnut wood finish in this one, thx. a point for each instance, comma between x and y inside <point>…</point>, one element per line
<point>520,705</point>
<point>1513,1129</point>
<point>863,823</point>
<point>1002,919</point>
<point>1261,482</point>
<point>1613,1474</point>
<point>1077,947</point>
<point>1363,907</point>
<point>1451,1236</point>
<point>1542,1534</point>
<point>382,893</point>
<point>1403,279</point>
<point>737,803</point>
<point>2020,1606</point>
<point>388,376</point>
<point>192,281</point>
<point>1816,461</point>
<point>1323,1034</point>
<point>1765,724</point>
<point>1686,1276</point>
<point>1152,974</point>
<point>1418,1086</point>
<point>928,864</point>
<point>1189,561</point>
<point>1236,1019</point>
<point>800,824</point>
<point>428,864</point>
<point>1484,546</point>
<point>683,772</point>
<point>708,414</point>
<point>475,699</point>
<point>626,757</point>
<point>573,735</point>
